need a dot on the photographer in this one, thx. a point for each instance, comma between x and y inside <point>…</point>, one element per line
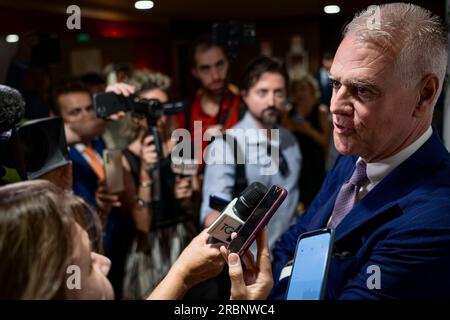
<point>161,234</point>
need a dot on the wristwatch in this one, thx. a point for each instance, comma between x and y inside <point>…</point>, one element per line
<point>142,203</point>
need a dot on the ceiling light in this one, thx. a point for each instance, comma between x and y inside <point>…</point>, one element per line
<point>11,38</point>
<point>143,5</point>
<point>331,9</point>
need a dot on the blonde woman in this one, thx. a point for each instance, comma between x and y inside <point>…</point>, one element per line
<point>162,234</point>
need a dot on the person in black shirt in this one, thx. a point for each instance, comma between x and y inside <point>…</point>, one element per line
<point>308,120</point>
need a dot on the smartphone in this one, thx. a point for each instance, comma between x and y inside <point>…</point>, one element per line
<point>311,263</point>
<point>112,160</point>
<point>108,103</point>
<point>259,218</point>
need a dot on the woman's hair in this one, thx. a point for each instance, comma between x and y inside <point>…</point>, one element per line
<point>88,220</point>
<point>144,80</point>
<point>37,233</point>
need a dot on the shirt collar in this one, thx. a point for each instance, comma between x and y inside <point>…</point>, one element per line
<point>376,171</point>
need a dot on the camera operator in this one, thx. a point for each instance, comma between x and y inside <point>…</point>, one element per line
<point>161,234</point>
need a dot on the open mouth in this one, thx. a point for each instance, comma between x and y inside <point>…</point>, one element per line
<point>343,130</point>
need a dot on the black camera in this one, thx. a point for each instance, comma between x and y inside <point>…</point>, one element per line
<point>232,34</point>
<point>33,149</point>
<point>108,103</point>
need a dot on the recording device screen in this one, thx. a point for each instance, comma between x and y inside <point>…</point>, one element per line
<point>310,269</point>
<point>258,219</point>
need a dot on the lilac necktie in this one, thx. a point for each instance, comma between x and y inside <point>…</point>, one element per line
<point>347,196</point>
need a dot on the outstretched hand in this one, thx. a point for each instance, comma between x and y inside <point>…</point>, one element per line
<point>256,282</point>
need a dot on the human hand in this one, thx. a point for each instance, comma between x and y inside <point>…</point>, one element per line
<point>199,261</point>
<point>183,188</point>
<point>105,199</point>
<point>72,137</point>
<point>210,218</point>
<point>149,155</point>
<point>86,130</point>
<point>257,281</point>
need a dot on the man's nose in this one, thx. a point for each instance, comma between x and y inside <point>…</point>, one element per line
<point>215,74</point>
<point>272,99</point>
<point>341,102</point>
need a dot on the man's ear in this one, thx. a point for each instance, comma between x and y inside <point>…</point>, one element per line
<point>428,90</point>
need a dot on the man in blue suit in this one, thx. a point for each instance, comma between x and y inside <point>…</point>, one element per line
<point>388,195</point>
<point>74,103</point>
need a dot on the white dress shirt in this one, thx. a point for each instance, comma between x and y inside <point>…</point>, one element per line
<point>377,171</point>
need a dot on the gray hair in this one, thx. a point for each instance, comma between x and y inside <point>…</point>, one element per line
<point>144,80</point>
<point>416,37</point>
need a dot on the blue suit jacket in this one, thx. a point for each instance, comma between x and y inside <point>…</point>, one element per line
<point>85,181</point>
<point>402,226</point>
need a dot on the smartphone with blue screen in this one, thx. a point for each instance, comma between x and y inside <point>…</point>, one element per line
<point>311,263</point>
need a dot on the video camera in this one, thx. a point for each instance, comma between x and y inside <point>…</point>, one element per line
<point>108,103</point>
<point>33,149</point>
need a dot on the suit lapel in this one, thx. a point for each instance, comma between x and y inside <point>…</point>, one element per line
<point>408,176</point>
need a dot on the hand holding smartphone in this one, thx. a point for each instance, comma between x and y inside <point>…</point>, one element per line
<point>112,159</point>
<point>259,218</point>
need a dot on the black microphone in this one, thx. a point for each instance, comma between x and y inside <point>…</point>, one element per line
<point>237,212</point>
<point>12,108</point>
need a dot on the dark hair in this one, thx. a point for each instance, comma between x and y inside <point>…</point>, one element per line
<point>257,67</point>
<point>202,43</point>
<point>69,86</point>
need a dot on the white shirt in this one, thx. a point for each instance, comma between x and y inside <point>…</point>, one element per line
<point>377,171</point>
<point>219,178</point>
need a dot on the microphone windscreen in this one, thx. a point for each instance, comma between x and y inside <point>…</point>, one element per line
<point>249,198</point>
<point>12,108</point>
